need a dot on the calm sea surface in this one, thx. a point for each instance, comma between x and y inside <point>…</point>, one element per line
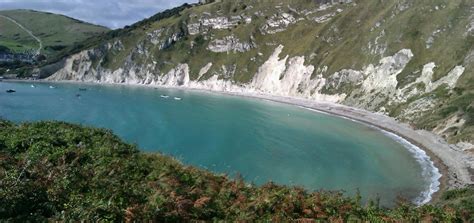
<point>263,141</point>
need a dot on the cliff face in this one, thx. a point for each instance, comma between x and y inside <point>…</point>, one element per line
<point>412,60</point>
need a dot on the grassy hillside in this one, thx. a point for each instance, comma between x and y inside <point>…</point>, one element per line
<point>61,172</point>
<point>57,32</point>
<point>15,39</point>
<point>347,41</point>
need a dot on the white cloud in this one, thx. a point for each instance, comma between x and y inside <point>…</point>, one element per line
<point>110,13</point>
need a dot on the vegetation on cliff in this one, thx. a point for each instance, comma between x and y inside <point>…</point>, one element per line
<point>57,171</point>
<point>341,41</point>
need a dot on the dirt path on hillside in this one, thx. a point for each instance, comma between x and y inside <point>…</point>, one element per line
<point>38,51</point>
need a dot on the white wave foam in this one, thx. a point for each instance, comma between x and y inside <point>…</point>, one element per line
<point>429,170</point>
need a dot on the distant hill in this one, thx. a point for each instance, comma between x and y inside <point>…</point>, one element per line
<point>51,35</point>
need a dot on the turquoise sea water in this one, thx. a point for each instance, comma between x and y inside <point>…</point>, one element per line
<point>263,141</point>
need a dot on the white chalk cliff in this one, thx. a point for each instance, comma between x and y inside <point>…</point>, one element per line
<point>278,75</point>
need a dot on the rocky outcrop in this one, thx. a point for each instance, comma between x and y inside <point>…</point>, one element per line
<point>449,80</point>
<point>278,23</point>
<point>230,44</point>
<point>380,81</point>
<point>204,70</point>
<point>205,24</point>
<point>178,76</point>
<point>290,77</point>
<point>163,38</point>
<point>327,10</point>
<point>426,79</point>
<point>154,36</point>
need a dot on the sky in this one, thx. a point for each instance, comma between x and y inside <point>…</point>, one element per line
<point>110,13</point>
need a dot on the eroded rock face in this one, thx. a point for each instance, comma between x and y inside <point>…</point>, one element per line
<point>426,79</point>
<point>154,36</point>
<point>194,28</point>
<point>205,24</point>
<point>345,77</point>
<point>278,23</point>
<point>230,44</point>
<point>78,68</point>
<point>290,77</point>
<point>380,81</point>
<point>178,76</point>
<point>369,88</point>
<point>219,22</point>
<point>450,80</point>
<point>162,38</point>
<point>204,70</point>
<point>325,12</point>
<point>383,76</point>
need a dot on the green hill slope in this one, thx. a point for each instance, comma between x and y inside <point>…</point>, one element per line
<point>55,32</point>
<point>55,171</point>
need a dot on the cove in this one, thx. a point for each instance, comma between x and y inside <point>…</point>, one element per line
<point>261,140</point>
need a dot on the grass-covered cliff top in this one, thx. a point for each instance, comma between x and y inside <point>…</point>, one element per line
<point>57,171</point>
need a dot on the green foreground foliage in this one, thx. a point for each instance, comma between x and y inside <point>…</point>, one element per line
<point>54,171</point>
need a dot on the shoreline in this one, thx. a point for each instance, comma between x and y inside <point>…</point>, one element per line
<point>328,109</point>
<point>445,160</point>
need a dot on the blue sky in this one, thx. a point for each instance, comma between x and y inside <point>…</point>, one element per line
<point>110,13</point>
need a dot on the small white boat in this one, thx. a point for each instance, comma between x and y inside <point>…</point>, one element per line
<point>33,86</point>
<point>164,96</point>
<point>178,98</point>
<point>52,87</point>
